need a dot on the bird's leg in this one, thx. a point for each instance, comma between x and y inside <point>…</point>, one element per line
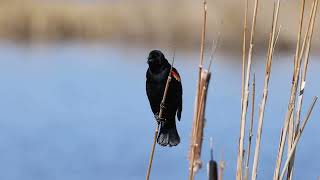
<point>158,119</point>
<point>163,106</point>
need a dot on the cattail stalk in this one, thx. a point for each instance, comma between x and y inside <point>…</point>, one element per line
<point>198,125</point>
<point>198,97</point>
<point>212,165</point>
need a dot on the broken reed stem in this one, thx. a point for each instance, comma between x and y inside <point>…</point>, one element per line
<point>294,146</point>
<point>292,96</point>
<point>265,90</point>
<point>244,48</point>
<point>221,167</point>
<point>197,98</point>
<point>244,105</point>
<point>160,116</point>
<point>246,175</point>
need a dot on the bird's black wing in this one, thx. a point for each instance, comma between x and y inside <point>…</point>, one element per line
<point>179,91</point>
<point>153,104</point>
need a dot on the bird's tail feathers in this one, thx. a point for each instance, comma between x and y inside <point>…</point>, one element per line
<point>168,135</point>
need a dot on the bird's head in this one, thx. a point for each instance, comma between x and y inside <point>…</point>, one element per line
<point>157,61</point>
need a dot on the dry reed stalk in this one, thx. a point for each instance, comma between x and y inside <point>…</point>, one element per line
<point>246,176</point>
<point>197,97</point>
<point>203,37</point>
<point>244,48</point>
<point>278,34</point>
<point>244,55</point>
<point>301,89</point>
<point>280,139</point>
<point>291,128</point>
<point>197,137</point>
<point>160,116</point>
<point>291,125</point>
<point>198,124</point>
<point>292,98</point>
<point>296,141</point>
<point>265,90</point>
<point>221,167</point>
<point>200,62</point>
<point>298,46</point>
<point>244,105</point>
<point>305,68</point>
<point>152,152</point>
<point>306,38</point>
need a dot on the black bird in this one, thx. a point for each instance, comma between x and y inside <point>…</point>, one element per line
<point>157,75</point>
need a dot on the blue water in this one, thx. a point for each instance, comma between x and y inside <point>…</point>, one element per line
<point>74,111</point>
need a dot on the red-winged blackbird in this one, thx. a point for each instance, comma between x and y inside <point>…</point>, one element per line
<point>157,75</point>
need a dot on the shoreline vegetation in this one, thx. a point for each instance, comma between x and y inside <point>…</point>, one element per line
<point>150,22</point>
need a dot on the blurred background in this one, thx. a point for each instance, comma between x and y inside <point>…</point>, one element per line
<point>143,21</point>
<point>72,95</point>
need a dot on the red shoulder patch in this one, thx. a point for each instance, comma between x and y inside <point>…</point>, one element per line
<point>176,76</point>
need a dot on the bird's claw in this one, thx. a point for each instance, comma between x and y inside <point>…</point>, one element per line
<point>158,119</point>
